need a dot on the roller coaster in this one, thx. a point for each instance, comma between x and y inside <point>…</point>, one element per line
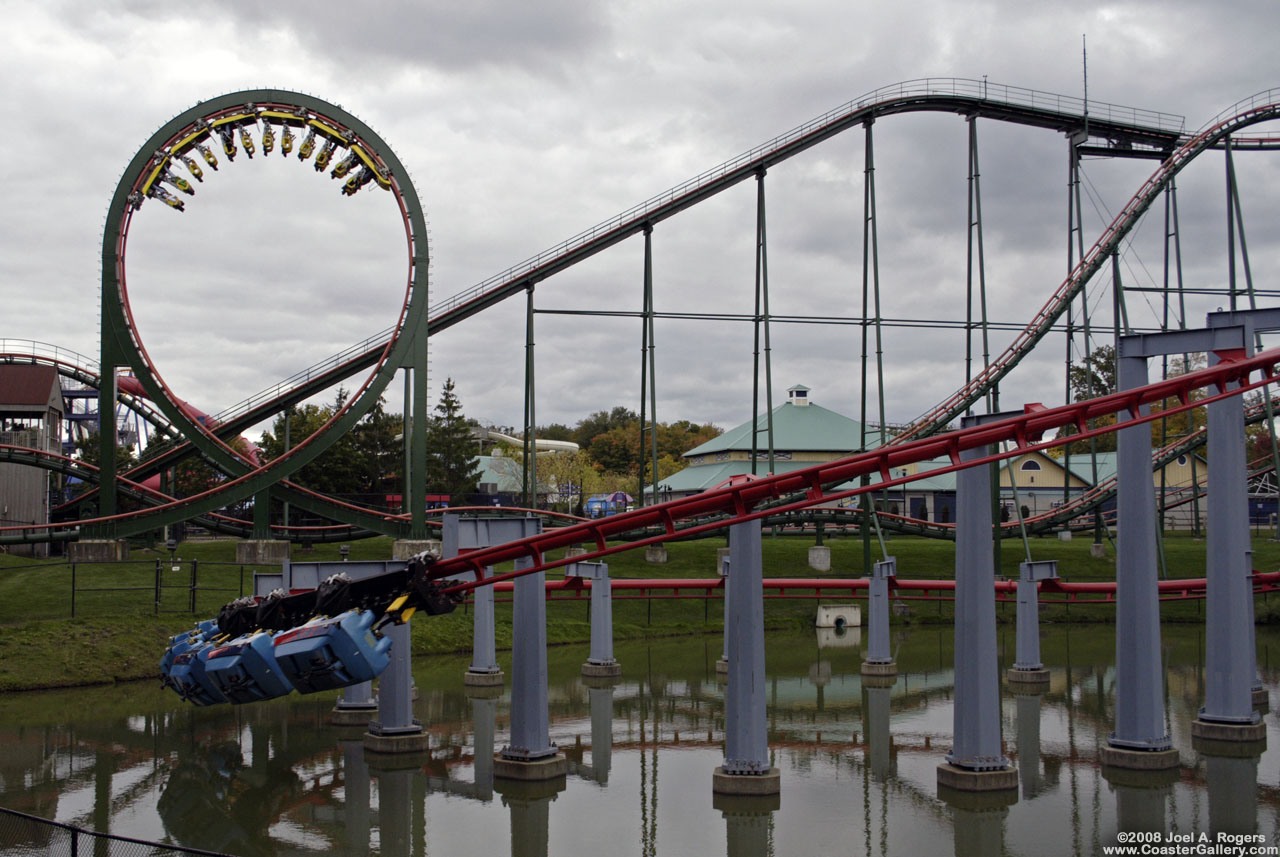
<point>335,141</point>
<point>333,137</point>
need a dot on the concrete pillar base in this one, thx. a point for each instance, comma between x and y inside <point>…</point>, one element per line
<point>352,715</point>
<point>262,551</point>
<point>402,549</point>
<point>1240,733</point>
<point>600,682</point>
<point>880,680</point>
<point>576,550</point>
<point>402,742</point>
<point>1261,699</point>
<point>590,670</point>
<point>1027,681</point>
<point>769,783</point>
<point>733,804</point>
<point>535,771</point>
<point>1141,779</point>
<point>656,554</point>
<point>883,668</point>
<point>988,801</point>
<point>820,558</point>
<point>1229,749</point>
<point>98,550</point>
<point>1098,550</point>
<point>964,780</point>
<point>722,666</point>
<point>492,691</point>
<point>476,679</point>
<point>528,790</point>
<point>1138,760</point>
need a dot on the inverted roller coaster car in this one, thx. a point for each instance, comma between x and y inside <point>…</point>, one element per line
<point>245,669</point>
<point>189,678</point>
<point>325,654</point>
<point>202,633</point>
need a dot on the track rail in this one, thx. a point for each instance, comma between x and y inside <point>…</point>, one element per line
<point>814,485</point>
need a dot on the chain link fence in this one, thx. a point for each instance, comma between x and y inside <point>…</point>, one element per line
<point>22,835</point>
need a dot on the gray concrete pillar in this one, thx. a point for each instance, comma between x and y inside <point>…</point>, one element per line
<point>1140,739</point>
<point>396,730</point>
<point>746,768</point>
<point>1027,667</point>
<point>976,761</point>
<point>879,660</point>
<point>1230,654</point>
<point>484,669</point>
<point>356,707</point>
<point>530,755</point>
<point>600,662</point>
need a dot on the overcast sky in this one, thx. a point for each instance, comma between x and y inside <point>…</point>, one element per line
<point>523,124</point>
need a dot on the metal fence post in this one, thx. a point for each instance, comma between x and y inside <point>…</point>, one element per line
<point>73,590</point>
<point>195,567</point>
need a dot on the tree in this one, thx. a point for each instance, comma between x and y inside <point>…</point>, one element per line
<point>1093,377</point>
<point>366,460</point>
<point>451,466</point>
<point>601,422</point>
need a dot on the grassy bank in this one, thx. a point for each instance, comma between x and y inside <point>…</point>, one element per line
<point>119,629</point>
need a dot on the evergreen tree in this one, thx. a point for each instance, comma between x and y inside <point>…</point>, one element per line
<point>451,454</point>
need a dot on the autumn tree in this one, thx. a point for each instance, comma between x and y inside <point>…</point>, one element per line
<point>451,455</point>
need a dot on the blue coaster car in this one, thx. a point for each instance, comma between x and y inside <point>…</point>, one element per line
<point>189,678</point>
<point>186,641</point>
<point>325,654</point>
<point>245,670</point>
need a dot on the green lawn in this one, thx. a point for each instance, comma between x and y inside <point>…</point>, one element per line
<point>118,633</point>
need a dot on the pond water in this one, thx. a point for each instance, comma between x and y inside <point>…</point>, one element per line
<point>857,763</point>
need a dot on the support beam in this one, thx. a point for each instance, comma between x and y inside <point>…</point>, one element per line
<point>746,769</point>
<point>600,662</point>
<point>460,534</point>
<point>1230,672</point>
<point>1027,667</point>
<point>879,662</point>
<point>976,761</point>
<point>530,756</point>
<point>1140,740</point>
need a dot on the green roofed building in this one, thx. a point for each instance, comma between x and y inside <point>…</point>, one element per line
<point>804,434</point>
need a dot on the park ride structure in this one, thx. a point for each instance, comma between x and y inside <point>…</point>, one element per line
<point>337,643</point>
<point>1093,129</point>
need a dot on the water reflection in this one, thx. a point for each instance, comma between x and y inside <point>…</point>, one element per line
<point>857,762</point>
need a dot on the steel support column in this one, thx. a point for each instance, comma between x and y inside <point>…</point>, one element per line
<point>746,767</point>
<point>646,363</point>
<point>976,717</point>
<point>879,660</point>
<point>1229,635</point>
<point>1027,667</point>
<point>529,481</point>
<point>530,725</point>
<point>600,662</point>
<point>762,317</point>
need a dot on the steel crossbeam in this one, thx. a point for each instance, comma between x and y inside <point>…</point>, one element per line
<point>741,500</point>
